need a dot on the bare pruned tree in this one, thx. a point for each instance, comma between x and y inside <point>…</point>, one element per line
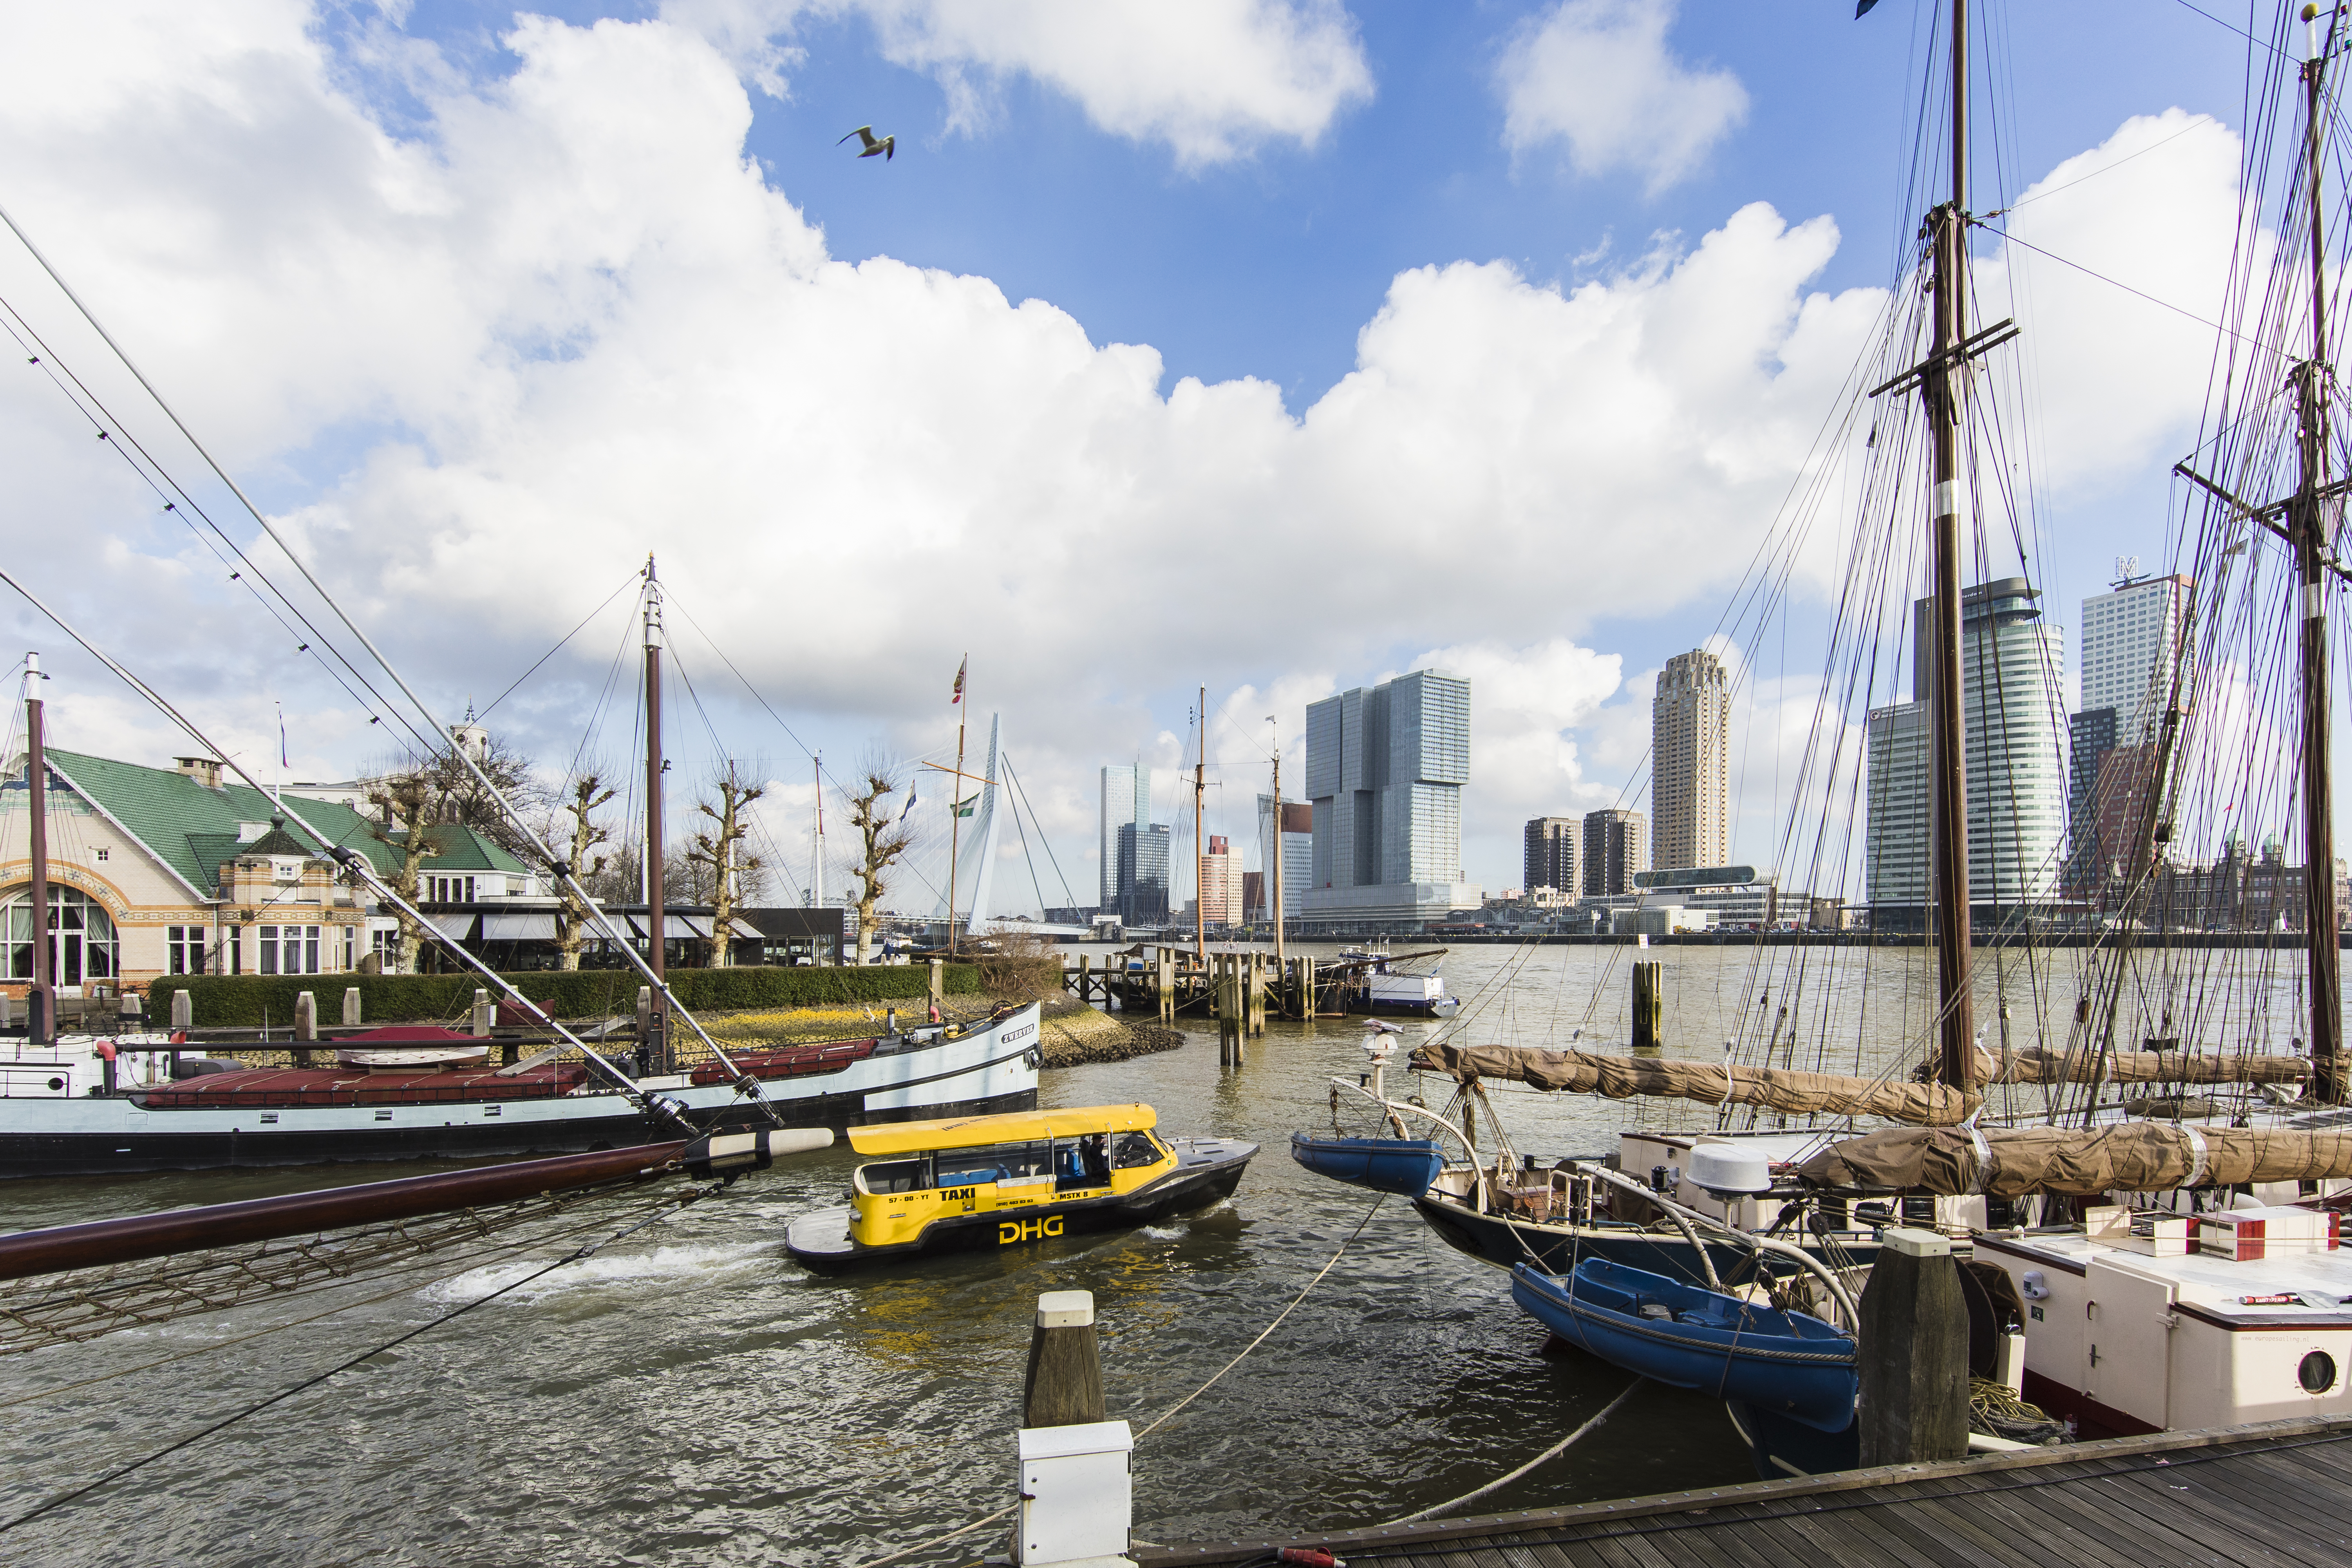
<point>588,792</point>
<point>883,836</point>
<point>729,872</point>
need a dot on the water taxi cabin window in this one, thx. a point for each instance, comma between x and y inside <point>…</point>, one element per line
<point>80,937</point>
<point>1136,1148</point>
<point>1002,1163</point>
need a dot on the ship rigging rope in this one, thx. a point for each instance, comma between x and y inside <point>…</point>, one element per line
<point>1167,1414</point>
<point>586,1250</point>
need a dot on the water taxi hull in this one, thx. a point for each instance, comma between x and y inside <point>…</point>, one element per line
<point>1210,1169</point>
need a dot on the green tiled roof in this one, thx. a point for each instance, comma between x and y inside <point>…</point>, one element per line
<point>193,830</point>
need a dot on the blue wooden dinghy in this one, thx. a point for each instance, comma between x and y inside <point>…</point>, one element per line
<point>1406,1165</point>
<point>1788,1363</point>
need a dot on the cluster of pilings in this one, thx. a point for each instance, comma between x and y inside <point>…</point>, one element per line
<point>1175,982</point>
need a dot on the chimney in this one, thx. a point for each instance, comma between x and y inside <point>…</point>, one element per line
<point>205,771</point>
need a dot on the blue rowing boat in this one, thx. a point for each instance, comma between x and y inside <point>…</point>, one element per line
<point>1686,1336</point>
<point>1406,1165</point>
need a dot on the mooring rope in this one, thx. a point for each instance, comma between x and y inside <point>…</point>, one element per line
<point>906,1552</point>
<point>1500,1483</point>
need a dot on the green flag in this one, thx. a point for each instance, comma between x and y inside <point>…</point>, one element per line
<point>964,808</point>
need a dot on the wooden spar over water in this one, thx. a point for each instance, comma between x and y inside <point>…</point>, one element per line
<point>653,1055</point>
<point>1709,1083</point>
<point>125,1240</point>
<point>2131,1157</point>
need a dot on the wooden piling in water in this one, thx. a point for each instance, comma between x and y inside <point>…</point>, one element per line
<point>306,1025</point>
<point>1913,1345</point>
<point>351,1006</point>
<point>1064,1386</point>
<point>1647,1007</point>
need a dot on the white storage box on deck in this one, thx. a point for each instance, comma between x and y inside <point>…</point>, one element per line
<point>1077,1497</point>
<point>2154,1232</point>
<point>2246,1236</point>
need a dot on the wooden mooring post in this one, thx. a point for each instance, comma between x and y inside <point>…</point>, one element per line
<point>1647,1007</point>
<point>1077,1499</point>
<point>1164,982</point>
<point>1226,974</point>
<point>1254,1008</point>
<point>1913,1341</point>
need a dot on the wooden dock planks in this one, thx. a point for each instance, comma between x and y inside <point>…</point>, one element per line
<point>2263,1496</point>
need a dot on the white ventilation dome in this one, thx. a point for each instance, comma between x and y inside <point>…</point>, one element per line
<point>1729,1170</point>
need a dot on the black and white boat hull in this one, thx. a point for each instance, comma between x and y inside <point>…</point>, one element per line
<point>69,1131</point>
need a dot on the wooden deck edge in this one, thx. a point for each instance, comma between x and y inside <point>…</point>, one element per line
<point>1751,1493</point>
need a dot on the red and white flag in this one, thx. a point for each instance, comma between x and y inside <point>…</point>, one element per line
<point>957,696</point>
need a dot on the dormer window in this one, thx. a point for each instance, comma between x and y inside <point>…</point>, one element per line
<point>286,869</point>
<point>101,854</point>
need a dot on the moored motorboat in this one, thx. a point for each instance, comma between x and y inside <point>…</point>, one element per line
<point>987,1181</point>
<point>65,1111</point>
<point>1789,1364</point>
<point>1405,1165</point>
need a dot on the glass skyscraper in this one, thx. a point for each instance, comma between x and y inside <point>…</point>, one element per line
<point>1385,767</point>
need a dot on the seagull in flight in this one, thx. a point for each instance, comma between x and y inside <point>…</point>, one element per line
<point>886,146</point>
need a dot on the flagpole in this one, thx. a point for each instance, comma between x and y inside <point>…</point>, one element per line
<point>955,810</point>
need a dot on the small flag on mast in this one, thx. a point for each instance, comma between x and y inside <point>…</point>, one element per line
<point>957,697</point>
<point>964,808</point>
<point>282,761</point>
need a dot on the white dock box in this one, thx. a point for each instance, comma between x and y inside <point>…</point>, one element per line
<point>1076,1498</point>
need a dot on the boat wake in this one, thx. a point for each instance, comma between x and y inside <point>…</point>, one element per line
<point>661,1264</point>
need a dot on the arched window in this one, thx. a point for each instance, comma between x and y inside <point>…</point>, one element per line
<point>81,937</point>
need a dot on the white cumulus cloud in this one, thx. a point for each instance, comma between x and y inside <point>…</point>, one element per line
<point>481,363</point>
<point>1598,76</point>
<point>1212,79</point>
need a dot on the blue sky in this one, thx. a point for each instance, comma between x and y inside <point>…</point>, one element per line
<point>1039,174</point>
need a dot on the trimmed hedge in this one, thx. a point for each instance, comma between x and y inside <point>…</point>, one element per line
<point>247,1000</point>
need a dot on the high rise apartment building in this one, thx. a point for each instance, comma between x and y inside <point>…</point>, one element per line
<point>1293,847</point>
<point>2012,719</point>
<point>1221,884</point>
<point>1690,764</point>
<point>1551,855</point>
<point>1126,798</point>
<point>1385,767</point>
<point>1616,845</point>
<point>2131,641</point>
<point>1143,865</point>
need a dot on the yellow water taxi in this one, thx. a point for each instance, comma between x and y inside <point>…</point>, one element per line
<point>1009,1180</point>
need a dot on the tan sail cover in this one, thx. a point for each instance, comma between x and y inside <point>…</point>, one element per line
<point>2138,1067</point>
<point>1712,1083</point>
<point>2136,1157</point>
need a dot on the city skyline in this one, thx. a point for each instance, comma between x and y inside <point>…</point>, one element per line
<point>1268,342</point>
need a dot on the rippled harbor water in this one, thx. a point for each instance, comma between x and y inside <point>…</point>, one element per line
<point>689,1396</point>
